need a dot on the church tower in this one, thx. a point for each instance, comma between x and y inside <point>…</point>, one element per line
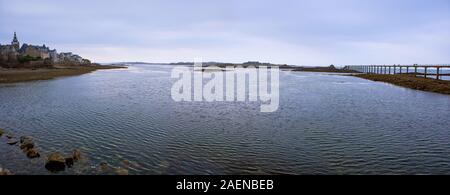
<point>15,43</point>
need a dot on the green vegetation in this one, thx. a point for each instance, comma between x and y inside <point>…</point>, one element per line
<point>28,58</point>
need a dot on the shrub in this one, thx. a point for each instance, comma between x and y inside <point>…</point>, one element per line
<point>28,58</point>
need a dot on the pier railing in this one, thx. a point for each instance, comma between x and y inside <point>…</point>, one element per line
<point>426,71</point>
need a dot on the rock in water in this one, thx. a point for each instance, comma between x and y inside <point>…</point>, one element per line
<point>32,153</point>
<point>5,172</point>
<point>23,139</point>
<point>9,136</point>
<point>26,143</point>
<point>69,162</point>
<point>2,131</point>
<point>76,155</point>
<point>12,142</point>
<point>104,167</point>
<point>126,163</point>
<point>55,162</point>
<point>121,171</point>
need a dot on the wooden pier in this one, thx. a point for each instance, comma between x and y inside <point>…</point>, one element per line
<point>403,69</point>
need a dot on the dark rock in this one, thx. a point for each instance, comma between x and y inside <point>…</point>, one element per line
<point>26,143</point>
<point>55,162</point>
<point>12,142</point>
<point>5,172</point>
<point>32,153</point>
<point>76,155</point>
<point>2,132</point>
<point>104,167</point>
<point>69,162</point>
<point>24,138</point>
<point>9,136</point>
<point>126,163</point>
<point>121,171</point>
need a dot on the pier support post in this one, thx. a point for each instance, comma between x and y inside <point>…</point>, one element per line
<point>415,70</point>
<point>437,73</point>
<point>425,74</point>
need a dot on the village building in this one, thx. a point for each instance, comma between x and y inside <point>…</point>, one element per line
<point>14,52</point>
<point>42,52</point>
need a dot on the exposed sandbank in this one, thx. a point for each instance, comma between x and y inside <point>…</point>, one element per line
<point>23,75</point>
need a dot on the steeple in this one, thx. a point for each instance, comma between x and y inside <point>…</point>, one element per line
<point>15,43</point>
<point>15,37</point>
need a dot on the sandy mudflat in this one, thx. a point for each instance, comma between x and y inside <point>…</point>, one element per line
<point>22,75</point>
<point>412,82</point>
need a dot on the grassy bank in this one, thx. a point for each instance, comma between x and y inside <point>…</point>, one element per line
<point>22,75</point>
<point>410,81</point>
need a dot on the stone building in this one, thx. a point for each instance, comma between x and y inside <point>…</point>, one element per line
<point>54,56</point>
<point>69,57</point>
<point>8,53</point>
<point>14,52</point>
<point>42,52</point>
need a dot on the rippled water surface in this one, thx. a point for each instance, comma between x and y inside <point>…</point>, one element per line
<point>326,124</point>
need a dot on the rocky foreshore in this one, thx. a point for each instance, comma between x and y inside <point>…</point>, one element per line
<point>57,162</point>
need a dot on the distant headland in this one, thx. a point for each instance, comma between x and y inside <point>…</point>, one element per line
<point>27,62</point>
<point>26,55</point>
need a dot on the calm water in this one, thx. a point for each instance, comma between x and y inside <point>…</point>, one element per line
<point>326,124</point>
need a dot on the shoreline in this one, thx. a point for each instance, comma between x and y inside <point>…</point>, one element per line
<point>26,75</point>
<point>329,69</point>
<point>410,81</point>
<point>322,70</point>
<point>57,161</point>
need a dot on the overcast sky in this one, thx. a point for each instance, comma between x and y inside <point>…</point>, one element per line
<point>301,32</point>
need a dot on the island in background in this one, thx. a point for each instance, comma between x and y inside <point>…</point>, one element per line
<point>26,62</point>
<point>256,64</point>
